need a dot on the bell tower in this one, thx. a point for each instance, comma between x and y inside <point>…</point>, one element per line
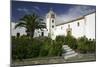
<point>50,23</point>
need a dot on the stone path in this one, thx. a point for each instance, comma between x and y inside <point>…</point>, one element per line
<point>68,52</point>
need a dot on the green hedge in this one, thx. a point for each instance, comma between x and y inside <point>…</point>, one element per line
<point>25,47</point>
<point>82,44</point>
<point>71,42</point>
<point>86,45</point>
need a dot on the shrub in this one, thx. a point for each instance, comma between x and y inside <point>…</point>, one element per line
<point>61,39</point>
<point>86,46</point>
<point>71,42</point>
<point>55,49</point>
<point>46,43</point>
<point>24,47</point>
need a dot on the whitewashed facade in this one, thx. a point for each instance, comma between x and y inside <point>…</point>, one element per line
<point>82,26</point>
<point>51,24</point>
<point>14,31</point>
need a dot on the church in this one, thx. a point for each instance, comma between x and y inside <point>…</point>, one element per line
<point>81,26</point>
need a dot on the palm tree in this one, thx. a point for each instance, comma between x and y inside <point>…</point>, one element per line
<point>31,22</point>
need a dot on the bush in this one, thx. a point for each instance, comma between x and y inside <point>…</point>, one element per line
<point>25,47</point>
<point>86,46</point>
<point>82,44</point>
<point>71,42</point>
<point>61,39</point>
<point>45,47</point>
<point>55,49</point>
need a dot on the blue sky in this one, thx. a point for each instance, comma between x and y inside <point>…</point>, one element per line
<point>64,12</point>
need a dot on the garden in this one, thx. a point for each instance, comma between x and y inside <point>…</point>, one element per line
<point>24,47</point>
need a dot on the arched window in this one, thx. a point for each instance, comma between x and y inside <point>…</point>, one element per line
<point>69,32</point>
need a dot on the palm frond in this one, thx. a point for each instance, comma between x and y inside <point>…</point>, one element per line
<point>20,24</point>
<point>31,22</point>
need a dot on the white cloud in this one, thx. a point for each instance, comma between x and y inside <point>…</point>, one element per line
<point>73,13</point>
<point>23,9</point>
<point>36,7</point>
<point>27,11</point>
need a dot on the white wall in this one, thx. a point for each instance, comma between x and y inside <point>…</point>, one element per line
<point>38,32</point>
<point>77,31</point>
<point>86,27</point>
<point>61,30</point>
<point>14,31</point>
<point>90,25</point>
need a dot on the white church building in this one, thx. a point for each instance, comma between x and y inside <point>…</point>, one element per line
<point>82,26</point>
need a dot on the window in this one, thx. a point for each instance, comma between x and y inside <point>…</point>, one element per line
<point>42,34</point>
<point>38,31</point>
<point>61,27</point>
<point>52,21</point>
<point>69,32</point>
<point>68,26</point>
<point>78,24</point>
<point>18,34</point>
<point>52,16</point>
<point>52,26</point>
